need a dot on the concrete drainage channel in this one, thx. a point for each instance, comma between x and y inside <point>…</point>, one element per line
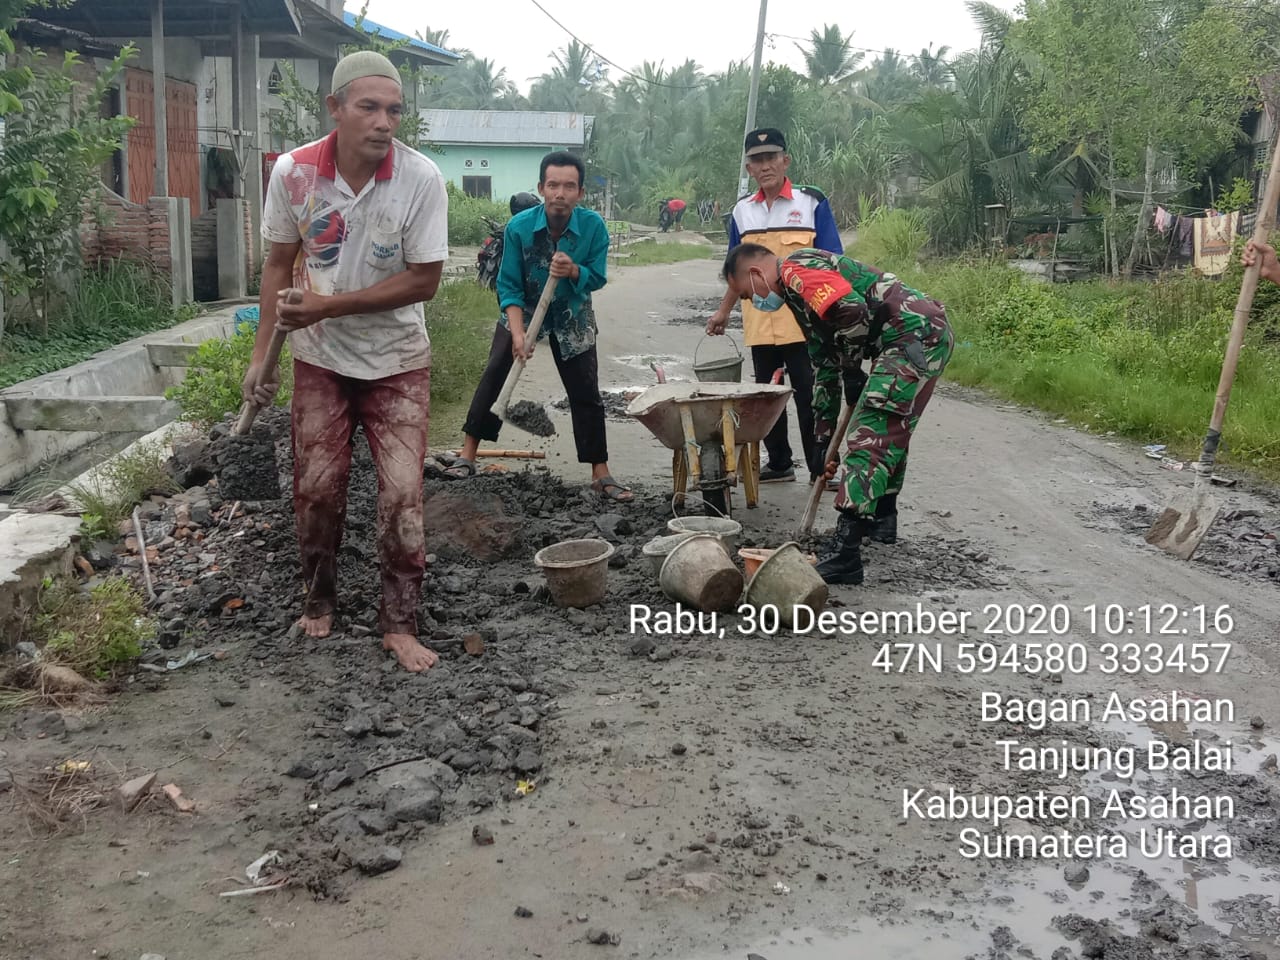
<point>119,392</point>
<point>62,424</point>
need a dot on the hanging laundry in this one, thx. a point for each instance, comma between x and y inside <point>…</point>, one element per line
<point>1163,220</point>
<point>1184,229</point>
<point>1213,236</point>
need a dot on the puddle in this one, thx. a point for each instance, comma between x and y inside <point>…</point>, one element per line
<point>642,361</point>
<point>1201,908</point>
<point>1021,915</point>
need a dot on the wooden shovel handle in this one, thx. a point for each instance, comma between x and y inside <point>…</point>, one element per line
<point>1244,303</point>
<point>499,407</point>
<point>815,496</point>
<point>249,411</point>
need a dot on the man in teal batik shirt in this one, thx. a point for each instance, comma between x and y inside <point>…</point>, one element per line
<point>562,240</point>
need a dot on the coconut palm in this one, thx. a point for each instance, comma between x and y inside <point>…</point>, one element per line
<point>931,68</point>
<point>829,58</point>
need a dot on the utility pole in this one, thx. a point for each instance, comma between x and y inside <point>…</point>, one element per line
<point>752,97</point>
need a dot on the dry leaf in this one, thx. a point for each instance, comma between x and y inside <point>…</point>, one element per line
<point>473,643</point>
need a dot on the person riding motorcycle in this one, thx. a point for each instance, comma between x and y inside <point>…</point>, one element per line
<point>489,259</point>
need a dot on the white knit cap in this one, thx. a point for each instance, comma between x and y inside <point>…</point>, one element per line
<point>362,63</point>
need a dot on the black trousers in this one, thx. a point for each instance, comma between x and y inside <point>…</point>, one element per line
<point>794,358</point>
<point>581,378</point>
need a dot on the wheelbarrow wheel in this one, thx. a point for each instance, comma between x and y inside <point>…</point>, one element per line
<point>714,486</point>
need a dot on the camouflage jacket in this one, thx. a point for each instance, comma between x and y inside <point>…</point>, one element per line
<point>850,310</point>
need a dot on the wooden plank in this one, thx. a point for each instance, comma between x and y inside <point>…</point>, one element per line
<point>92,414</point>
<point>171,354</point>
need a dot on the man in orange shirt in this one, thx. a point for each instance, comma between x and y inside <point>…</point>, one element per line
<point>784,217</point>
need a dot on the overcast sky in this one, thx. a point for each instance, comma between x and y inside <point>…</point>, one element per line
<point>517,35</point>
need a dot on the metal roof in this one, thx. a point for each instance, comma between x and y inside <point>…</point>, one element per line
<point>202,19</point>
<point>38,33</point>
<point>386,33</point>
<point>512,127</point>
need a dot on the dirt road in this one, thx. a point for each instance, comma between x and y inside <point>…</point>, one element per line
<point>697,796</point>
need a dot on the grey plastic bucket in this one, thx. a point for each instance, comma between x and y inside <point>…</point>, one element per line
<point>724,370</point>
<point>656,550</point>
<point>786,580</point>
<point>576,571</point>
<point>700,574</point>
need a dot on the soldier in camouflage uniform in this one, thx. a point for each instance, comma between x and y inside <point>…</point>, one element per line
<point>851,310</point>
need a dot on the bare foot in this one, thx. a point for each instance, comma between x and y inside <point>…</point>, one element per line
<point>316,626</point>
<point>412,655</point>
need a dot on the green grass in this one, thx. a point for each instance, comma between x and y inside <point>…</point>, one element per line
<point>460,322</point>
<point>111,491</point>
<point>109,305</point>
<point>647,254</point>
<point>1139,359</point>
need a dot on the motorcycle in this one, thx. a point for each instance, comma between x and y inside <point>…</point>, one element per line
<point>489,259</point>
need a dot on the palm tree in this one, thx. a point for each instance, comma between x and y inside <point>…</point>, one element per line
<point>889,80</point>
<point>438,38</point>
<point>828,58</point>
<point>480,85</point>
<point>968,146</point>
<point>931,68</point>
<point>575,73</point>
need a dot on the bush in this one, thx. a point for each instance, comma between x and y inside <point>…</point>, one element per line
<point>891,239</point>
<point>92,631</point>
<point>466,216</point>
<point>211,388</point>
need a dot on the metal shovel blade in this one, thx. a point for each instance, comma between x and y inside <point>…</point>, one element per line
<point>1184,522</point>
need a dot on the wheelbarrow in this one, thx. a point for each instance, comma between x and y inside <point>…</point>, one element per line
<point>714,432</point>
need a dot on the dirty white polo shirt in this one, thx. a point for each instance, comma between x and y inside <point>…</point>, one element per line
<point>353,241</point>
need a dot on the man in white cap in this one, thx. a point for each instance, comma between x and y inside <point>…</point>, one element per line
<point>358,223</point>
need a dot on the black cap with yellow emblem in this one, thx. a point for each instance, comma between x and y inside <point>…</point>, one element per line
<point>765,140</point>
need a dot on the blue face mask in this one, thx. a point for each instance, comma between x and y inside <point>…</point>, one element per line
<point>770,304</point>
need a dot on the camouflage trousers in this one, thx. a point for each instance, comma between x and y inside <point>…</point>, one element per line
<point>898,389</point>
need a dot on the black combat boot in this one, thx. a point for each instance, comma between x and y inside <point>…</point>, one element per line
<point>844,564</point>
<point>884,528</point>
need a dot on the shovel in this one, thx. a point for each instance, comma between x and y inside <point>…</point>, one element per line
<point>501,407</point>
<point>249,410</point>
<point>247,464</point>
<point>815,497</point>
<point>1187,518</point>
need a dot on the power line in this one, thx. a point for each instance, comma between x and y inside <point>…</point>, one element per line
<point>600,56</point>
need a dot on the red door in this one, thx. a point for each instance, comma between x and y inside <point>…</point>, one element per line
<point>183,140</point>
